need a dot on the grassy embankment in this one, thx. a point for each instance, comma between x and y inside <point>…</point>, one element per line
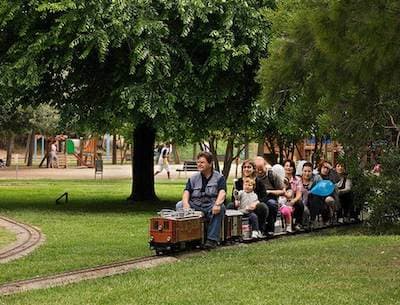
<point>343,267</point>
<point>96,226</point>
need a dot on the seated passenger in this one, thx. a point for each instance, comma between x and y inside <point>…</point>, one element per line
<point>325,205</point>
<point>296,187</point>
<point>285,205</point>
<point>205,191</point>
<point>246,201</point>
<point>274,188</point>
<point>345,194</point>
<point>309,180</point>
<point>261,210</point>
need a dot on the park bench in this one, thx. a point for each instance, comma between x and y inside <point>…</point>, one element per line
<point>188,166</point>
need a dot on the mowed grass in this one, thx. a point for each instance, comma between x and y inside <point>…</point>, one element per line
<point>349,268</point>
<point>96,226</point>
<point>6,237</point>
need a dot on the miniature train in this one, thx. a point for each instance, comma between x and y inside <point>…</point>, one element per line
<point>174,231</point>
<point>179,230</point>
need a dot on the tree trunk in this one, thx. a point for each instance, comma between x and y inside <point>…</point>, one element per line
<point>175,153</point>
<point>228,158</point>
<point>114,149</point>
<point>246,151</point>
<point>213,150</point>
<point>194,151</point>
<point>144,137</point>
<point>260,148</point>
<point>301,156</point>
<point>270,143</point>
<point>31,147</point>
<point>10,148</point>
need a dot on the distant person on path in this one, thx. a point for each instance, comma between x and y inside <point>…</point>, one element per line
<point>205,191</point>
<point>53,155</point>
<point>163,161</point>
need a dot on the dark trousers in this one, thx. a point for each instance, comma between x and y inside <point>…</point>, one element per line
<point>272,205</point>
<point>253,221</point>
<point>261,213</point>
<point>298,213</point>
<point>347,207</point>
<point>317,206</point>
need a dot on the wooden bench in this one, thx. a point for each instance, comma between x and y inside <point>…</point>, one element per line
<point>188,166</point>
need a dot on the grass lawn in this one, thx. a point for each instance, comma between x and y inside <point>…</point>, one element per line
<point>96,226</point>
<point>6,237</point>
<point>343,267</point>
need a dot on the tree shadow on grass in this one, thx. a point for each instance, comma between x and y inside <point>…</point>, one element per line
<point>84,197</point>
<point>362,229</point>
<point>93,206</point>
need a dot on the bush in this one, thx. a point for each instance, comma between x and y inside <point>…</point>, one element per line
<point>384,194</point>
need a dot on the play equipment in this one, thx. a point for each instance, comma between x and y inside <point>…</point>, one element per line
<point>61,157</point>
<point>85,151</point>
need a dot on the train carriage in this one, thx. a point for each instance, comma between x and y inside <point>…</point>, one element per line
<point>171,231</point>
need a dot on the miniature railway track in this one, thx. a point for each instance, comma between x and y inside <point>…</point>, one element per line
<point>28,239</point>
<point>84,274</point>
<point>111,269</point>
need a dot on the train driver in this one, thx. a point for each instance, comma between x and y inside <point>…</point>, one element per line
<point>205,191</point>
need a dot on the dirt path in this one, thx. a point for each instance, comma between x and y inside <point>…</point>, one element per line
<point>109,172</point>
<point>28,239</point>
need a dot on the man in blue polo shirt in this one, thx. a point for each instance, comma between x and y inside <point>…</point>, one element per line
<point>205,191</point>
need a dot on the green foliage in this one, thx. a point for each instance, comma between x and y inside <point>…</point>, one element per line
<point>384,198</point>
<point>340,58</point>
<point>105,62</point>
<point>338,62</point>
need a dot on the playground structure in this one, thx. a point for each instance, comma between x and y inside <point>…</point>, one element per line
<point>84,151</point>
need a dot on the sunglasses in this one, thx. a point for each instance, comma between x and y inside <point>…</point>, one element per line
<point>247,166</point>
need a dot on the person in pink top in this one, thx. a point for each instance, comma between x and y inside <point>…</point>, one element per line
<point>285,205</point>
<point>296,187</point>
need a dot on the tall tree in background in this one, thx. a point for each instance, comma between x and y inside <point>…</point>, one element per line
<point>338,59</point>
<point>152,63</point>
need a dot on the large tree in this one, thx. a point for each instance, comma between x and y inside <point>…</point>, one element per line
<point>153,63</point>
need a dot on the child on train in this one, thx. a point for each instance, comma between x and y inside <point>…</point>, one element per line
<point>246,201</point>
<point>285,206</point>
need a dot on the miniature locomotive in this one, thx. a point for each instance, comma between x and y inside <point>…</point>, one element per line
<point>185,229</point>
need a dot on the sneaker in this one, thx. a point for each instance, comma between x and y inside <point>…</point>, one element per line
<point>270,234</point>
<point>210,244</point>
<point>289,229</point>
<point>254,235</point>
<point>261,235</point>
<point>297,227</point>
